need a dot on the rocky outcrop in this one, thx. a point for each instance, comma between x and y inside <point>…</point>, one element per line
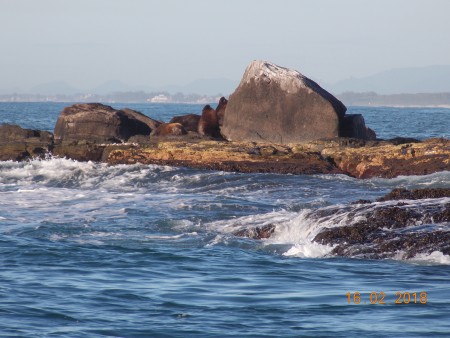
<point>383,159</point>
<point>171,144</point>
<point>384,230</point>
<point>189,121</point>
<point>95,122</point>
<point>278,105</point>
<point>19,144</point>
<point>378,230</point>
<point>415,194</point>
<point>226,156</point>
<point>353,157</point>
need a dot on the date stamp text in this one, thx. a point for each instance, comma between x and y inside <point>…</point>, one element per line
<point>383,298</point>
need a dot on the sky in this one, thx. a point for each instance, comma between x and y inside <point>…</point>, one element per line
<point>152,43</point>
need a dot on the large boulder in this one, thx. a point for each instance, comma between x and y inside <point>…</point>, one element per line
<point>95,122</point>
<point>279,105</point>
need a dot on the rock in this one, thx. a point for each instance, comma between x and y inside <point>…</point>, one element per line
<point>208,124</point>
<point>169,129</point>
<point>220,110</point>
<point>357,158</point>
<point>189,122</point>
<point>263,232</point>
<point>80,151</point>
<point>403,140</point>
<point>226,156</point>
<point>278,105</point>
<point>415,194</point>
<point>383,230</point>
<point>383,159</point>
<point>95,122</point>
<point>353,125</point>
<point>148,121</point>
<point>19,144</point>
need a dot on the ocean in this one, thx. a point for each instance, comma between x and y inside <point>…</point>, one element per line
<point>93,250</point>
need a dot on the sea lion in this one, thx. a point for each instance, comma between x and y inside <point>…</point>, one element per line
<point>167,129</point>
<point>220,110</point>
<point>189,122</point>
<point>209,123</point>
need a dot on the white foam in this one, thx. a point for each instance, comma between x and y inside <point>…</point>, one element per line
<point>294,229</point>
<point>189,234</point>
<point>435,257</point>
<point>308,250</point>
<point>435,180</point>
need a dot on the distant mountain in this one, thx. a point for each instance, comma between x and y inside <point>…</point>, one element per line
<point>432,79</point>
<point>201,87</point>
<point>205,86</point>
<point>52,88</point>
<point>113,86</point>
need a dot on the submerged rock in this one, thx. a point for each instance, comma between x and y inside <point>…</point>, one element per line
<point>263,232</point>
<point>279,105</point>
<point>415,194</point>
<point>377,230</point>
<point>386,230</point>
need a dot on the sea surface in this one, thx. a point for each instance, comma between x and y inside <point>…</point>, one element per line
<point>92,250</point>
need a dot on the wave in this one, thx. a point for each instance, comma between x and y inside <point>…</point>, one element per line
<point>420,238</point>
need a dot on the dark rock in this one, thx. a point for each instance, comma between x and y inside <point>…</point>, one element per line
<point>169,129</point>
<point>278,105</point>
<point>139,139</point>
<point>189,122</point>
<point>19,144</point>
<point>353,125</point>
<point>380,230</point>
<point>257,232</point>
<point>95,122</point>
<point>402,140</point>
<point>415,194</point>
<point>149,122</point>
<point>221,107</point>
<point>362,202</point>
<point>80,151</point>
<point>208,124</point>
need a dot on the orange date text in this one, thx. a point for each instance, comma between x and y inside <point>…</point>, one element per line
<point>383,298</point>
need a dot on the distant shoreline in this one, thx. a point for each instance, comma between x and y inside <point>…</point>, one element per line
<point>350,99</point>
<point>209,102</point>
<point>419,100</point>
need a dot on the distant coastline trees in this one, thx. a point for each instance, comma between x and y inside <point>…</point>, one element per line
<point>395,100</point>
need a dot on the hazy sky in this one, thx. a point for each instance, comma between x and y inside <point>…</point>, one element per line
<point>159,42</point>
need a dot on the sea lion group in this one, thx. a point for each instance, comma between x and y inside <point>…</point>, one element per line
<point>207,124</point>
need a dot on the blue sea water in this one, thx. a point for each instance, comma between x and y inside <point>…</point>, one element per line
<point>91,250</point>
